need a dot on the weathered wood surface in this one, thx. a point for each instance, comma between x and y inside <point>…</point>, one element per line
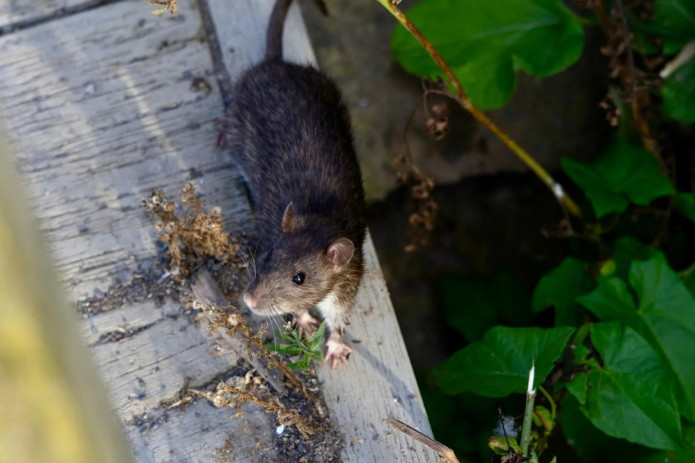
<point>101,107</point>
<point>15,13</point>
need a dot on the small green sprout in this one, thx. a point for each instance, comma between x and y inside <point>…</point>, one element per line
<point>308,349</point>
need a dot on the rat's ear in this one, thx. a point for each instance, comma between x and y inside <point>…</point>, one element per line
<point>289,220</point>
<point>340,253</point>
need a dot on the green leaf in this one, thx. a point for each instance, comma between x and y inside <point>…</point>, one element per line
<point>635,172</point>
<point>590,444</point>
<point>499,364</point>
<point>672,25</point>
<point>542,417</point>
<point>664,315</point>
<point>285,336</point>
<point>627,249</point>
<point>296,366</point>
<point>578,387</point>
<point>560,288</point>
<point>684,455</point>
<point>611,301</point>
<point>284,349</point>
<point>474,305</point>
<point>596,188</point>
<point>486,42</point>
<point>630,396</point>
<point>678,92</point>
<point>623,173</point>
<point>498,444</point>
<point>317,340</point>
<point>675,22</point>
<point>668,311</point>
<point>688,279</point>
<point>685,204</point>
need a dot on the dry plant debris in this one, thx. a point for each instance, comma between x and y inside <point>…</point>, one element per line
<point>167,5</point>
<point>425,208</point>
<point>193,236</point>
<point>236,391</point>
<point>634,72</point>
<point>234,323</point>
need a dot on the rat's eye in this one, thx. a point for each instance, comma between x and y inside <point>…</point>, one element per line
<point>298,278</point>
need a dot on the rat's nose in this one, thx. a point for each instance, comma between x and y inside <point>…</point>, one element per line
<point>250,301</point>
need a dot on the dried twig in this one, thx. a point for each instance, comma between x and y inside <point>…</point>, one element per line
<point>234,393</point>
<point>234,323</point>
<point>207,294</point>
<point>422,219</point>
<point>463,99</point>
<point>442,450</point>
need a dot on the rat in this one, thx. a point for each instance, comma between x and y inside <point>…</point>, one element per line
<point>290,134</point>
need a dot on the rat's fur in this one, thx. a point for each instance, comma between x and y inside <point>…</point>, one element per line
<point>290,133</point>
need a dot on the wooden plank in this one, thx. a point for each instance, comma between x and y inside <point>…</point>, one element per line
<point>15,13</point>
<point>104,106</point>
<point>101,107</point>
<point>379,382</point>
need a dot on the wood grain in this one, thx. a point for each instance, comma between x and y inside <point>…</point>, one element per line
<point>101,107</point>
<point>22,12</point>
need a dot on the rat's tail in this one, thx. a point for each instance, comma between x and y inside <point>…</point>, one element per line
<point>273,38</point>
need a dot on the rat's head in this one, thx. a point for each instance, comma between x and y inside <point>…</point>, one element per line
<point>299,269</point>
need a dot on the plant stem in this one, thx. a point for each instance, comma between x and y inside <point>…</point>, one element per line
<point>553,407</point>
<point>528,414</point>
<point>467,104</point>
<point>581,334</point>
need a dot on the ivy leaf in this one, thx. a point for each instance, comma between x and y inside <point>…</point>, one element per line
<point>675,22</point>
<point>629,397</point>
<point>685,204</point>
<point>499,364</point>
<point>628,249</point>
<point>623,173</point>
<point>590,444</point>
<point>672,25</point>
<point>684,455</point>
<point>668,310</point>
<point>560,288</point>
<point>474,305</point>
<point>485,42</point>
<point>678,92</point>
<point>664,315</point>
<point>596,188</point>
<point>611,301</point>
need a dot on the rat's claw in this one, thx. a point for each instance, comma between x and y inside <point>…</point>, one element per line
<point>306,323</point>
<point>338,352</point>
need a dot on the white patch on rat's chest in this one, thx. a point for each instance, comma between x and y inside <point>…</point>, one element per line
<point>333,311</point>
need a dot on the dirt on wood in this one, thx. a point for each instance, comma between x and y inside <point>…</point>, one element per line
<point>198,242</point>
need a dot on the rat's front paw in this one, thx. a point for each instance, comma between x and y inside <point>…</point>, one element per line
<point>306,323</point>
<point>338,352</point>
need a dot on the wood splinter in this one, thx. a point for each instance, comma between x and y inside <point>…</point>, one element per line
<point>442,450</point>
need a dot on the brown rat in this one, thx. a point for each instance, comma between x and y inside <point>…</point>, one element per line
<point>290,133</point>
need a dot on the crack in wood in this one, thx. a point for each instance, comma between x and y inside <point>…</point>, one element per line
<point>16,26</point>
<point>224,80</point>
<point>123,333</point>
